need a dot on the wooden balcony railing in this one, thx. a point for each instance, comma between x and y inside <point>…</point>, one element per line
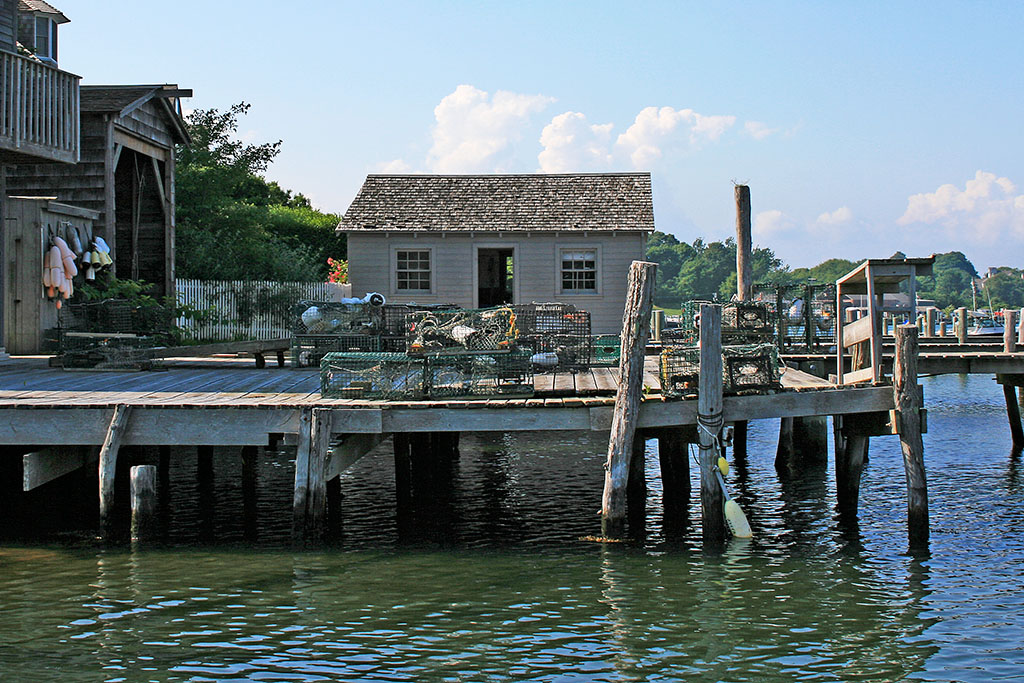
<point>39,112</point>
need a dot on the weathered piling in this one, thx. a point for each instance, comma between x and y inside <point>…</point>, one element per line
<point>909,401</point>
<point>850,448</point>
<point>108,464</point>
<point>1020,330</point>
<point>961,325</point>
<point>1009,330</point>
<point>674,460</point>
<point>1010,385</point>
<point>143,493</point>
<point>635,318</point>
<point>709,423</point>
<point>929,322</point>
<point>744,247</point>
<point>309,507</point>
<point>802,440</point>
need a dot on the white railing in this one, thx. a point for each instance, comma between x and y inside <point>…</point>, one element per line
<point>247,309</point>
<point>39,109</point>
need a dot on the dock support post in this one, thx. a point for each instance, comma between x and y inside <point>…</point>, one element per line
<point>709,424</point>
<point>309,506</point>
<point>739,440</point>
<point>143,492</point>
<point>1020,330</point>
<point>961,323</point>
<point>635,319</point>
<point>801,440</point>
<point>929,322</point>
<point>1013,414</point>
<point>850,448</point>
<point>674,460</point>
<point>744,267</point>
<point>108,464</point>
<point>403,469</point>
<point>1009,330</point>
<point>909,399</point>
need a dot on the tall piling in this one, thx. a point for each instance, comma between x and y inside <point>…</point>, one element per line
<point>961,325</point>
<point>635,324</point>
<point>108,465</point>
<point>1009,330</point>
<point>143,494</point>
<point>709,424</point>
<point>909,400</point>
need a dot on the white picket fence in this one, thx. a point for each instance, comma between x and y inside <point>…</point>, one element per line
<point>248,309</point>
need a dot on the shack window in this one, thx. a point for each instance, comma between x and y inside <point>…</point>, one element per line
<point>46,38</point>
<point>412,270</point>
<point>579,270</point>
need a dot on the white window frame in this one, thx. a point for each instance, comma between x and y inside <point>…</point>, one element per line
<point>51,34</point>
<point>562,249</point>
<point>393,270</point>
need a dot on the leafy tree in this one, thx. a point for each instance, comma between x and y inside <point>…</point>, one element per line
<point>233,223</point>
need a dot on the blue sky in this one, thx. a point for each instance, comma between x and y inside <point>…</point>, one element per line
<point>861,127</point>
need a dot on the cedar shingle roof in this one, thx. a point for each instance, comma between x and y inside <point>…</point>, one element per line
<point>112,98</point>
<point>584,201</point>
<point>43,7</point>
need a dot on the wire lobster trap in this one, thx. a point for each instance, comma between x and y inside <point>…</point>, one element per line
<point>606,349</point>
<point>307,350</point>
<point>557,335</point>
<point>500,374</point>
<point>754,368</point>
<point>743,322</point>
<point>394,316</point>
<point>114,351</point>
<point>804,314</point>
<point>334,317</point>
<point>111,334</point>
<point>389,376</point>
<point>454,332</point>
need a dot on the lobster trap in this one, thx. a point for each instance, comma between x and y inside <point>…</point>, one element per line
<point>307,350</point>
<point>804,315</point>
<point>501,374</point>
<point>745,369</point>
<point>491,330</point>
<point>333,317</point>
<point>743,322</point>
<point>394,317</point>
<point>111,334</point>
<point>606,349</point>
<point>556,335</point>
<point>391,376</point>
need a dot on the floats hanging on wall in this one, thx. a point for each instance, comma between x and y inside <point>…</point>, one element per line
<point>59,268</point>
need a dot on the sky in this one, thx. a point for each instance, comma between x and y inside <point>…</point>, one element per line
<point>862,128</point>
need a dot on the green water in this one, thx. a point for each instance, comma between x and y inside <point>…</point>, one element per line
<point>491,582</point>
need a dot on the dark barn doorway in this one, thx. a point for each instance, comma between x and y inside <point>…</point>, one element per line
<point>495,276</point>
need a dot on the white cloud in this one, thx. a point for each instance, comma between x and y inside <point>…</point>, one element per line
<point>987,209</point>
<point>654,128</point>
<point>571,144</point>
<point>772,222</point>
<point>838,217</point>
<point>394,166</point>
<point>759,130</point>
<point>473,128</point>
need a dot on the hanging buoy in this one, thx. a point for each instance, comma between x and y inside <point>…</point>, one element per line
<point>723,466</point>
<point>70,270</point>
<point>65,250</point>
<point>58,304</point>
<point>46,277</point>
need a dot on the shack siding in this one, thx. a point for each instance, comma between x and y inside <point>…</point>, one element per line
<point>8,20</point>
<point>149,123</point>
<point>537,275</point>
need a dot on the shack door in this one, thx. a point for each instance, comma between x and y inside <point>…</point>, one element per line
<point>494,269</point>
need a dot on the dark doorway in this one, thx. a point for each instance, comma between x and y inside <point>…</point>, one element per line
<point>494,269</point>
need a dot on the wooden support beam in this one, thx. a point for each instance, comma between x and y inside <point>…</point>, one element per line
<point>636,489</point>
<point>403,469</point>
<point>108,463</point>
<point>42,467</point>
<point>1012,414</point>
<point>635,324</point>
<point>674,459</point>
<point>250,481</point>
<point>857,331</point>
<point>961,325</point>
<point>909,399</point>
<point>709,424</point>
<point>739,440</point>
<point>350,451</point>
<point>850,452</point>
<point>143,494</point>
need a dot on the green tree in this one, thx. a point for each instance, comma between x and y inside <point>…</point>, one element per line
<point>234,224</point>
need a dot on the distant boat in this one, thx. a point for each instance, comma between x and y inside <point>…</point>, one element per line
<point>984,326</point>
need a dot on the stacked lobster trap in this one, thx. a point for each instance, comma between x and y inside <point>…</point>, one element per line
<point>750,356</point>
<point>804,314</point>
<point>112,334</point>
<point>322,327</point>
<point>557,336</point>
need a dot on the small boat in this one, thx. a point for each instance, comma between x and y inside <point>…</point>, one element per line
<point>984,326</point>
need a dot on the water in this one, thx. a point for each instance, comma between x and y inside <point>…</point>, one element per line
<point>491,582</point>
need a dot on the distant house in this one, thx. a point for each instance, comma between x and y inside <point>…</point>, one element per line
<point>483,240</point>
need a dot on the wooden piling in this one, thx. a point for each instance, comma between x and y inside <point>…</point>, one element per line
<point>108,463</point>
<point>1020,330</point>
<point>744,247</point>
<point>403,469</point>
<point>635,319</point>
<point>929,322</point>
<point>850,448</point>
<point>961,325</point>
<point>674,460</point>
<point>943,328</point>
<point>909,400</point>
<point>1009,330</point>
<point>143,493</point>
<point>250,461</point>
<point>636,489</point>
<point>309,506</point>
<point>1013,415</point>
<point>709,423</point>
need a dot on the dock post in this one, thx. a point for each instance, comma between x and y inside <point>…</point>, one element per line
<point>1020,330</point>
<point>403,469</point>
<point>143,492</point>
<point>942,328</point>
<point>961,321</point>
<point>802,440</point>
<point>850,447</point>
<point>108,464</point>
<point>674,460</point>
<point>309,505</point>
<point>1009,330</point>
<point>1013,414</point>
<point>709,424</point>
<point>635,319</point>
<point>909,400</point>
<point>744,267</point>
<point>929,322</point>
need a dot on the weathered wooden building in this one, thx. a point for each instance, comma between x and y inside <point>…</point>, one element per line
<point>126,174</point>
<point>483,240</point>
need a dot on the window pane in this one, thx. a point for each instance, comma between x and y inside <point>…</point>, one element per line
<point>412,270</point>
<point>579,270</point>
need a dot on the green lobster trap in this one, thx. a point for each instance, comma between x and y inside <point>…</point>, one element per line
<point>557,335</point>
<point>307,350</point>
<point>679,371</point>
<point>394,316</point>
<point>743,322</point>
<point>490,330</point>
<point>391,376</point>
<point>606,350</point>
<point>500,374</point>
